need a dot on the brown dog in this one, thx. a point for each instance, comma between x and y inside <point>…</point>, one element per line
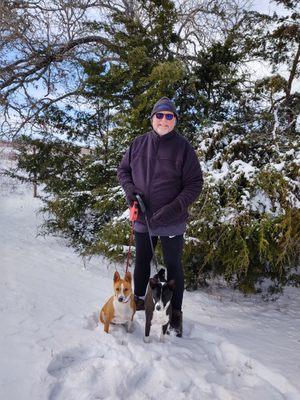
<point>120,308</point>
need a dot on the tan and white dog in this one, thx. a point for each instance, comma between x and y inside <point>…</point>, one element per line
<point>120,308</point>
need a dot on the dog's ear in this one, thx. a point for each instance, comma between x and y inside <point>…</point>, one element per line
<point>153,282</point>
<point>116,276</point>
<point>171,284</point>
<point>128,277</point>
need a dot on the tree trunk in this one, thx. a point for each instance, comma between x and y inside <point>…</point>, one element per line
<point>35,189</point>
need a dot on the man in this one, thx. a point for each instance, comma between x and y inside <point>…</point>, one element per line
<point>163,168</point>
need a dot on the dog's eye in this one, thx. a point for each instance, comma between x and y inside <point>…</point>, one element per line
<point>118,289</point>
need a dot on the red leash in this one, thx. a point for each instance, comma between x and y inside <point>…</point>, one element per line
<point>134,212</point>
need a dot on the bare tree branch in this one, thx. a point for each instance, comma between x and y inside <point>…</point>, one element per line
<point>44,45</point>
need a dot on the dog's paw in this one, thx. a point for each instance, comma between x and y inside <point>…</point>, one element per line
<point>162,338</point>
<point>129,327</point>
<point>171,332</point>
<point>146,339</point>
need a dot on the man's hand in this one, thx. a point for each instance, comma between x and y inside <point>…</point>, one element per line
<point>131,193</point>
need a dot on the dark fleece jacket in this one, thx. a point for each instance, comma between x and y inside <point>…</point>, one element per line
<point>165,170</point>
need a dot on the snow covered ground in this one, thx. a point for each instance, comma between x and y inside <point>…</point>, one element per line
<point>52,348</point>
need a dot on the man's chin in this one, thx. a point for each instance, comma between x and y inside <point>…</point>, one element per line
<point>163,131</point>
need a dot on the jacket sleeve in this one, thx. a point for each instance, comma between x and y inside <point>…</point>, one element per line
<point>125,177</point>
<point>192,181</point>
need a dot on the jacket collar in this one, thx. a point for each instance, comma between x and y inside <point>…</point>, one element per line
<point>159,138</point>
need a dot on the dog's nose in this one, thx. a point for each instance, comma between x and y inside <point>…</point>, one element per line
<point>120,299</point>
<point>158,307</point>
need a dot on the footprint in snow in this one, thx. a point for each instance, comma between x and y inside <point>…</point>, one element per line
<point>188,327</point>
<point>67,359</point>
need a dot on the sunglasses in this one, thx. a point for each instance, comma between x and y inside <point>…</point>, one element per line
<point>169,117</point>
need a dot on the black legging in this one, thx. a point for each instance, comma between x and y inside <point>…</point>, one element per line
<point>172,253</point>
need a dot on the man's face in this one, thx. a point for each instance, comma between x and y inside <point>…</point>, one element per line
<point>161,124</point>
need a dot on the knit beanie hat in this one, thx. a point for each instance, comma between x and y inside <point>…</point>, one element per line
<point>164,104</point>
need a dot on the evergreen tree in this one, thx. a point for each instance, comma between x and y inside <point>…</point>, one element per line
<point>247,221</point>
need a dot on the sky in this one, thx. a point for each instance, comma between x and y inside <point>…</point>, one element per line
<point>267,7</point>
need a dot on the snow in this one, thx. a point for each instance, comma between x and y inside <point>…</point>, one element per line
<point>262,203</point>
<point>229,215</point>
<point>235,169</point>
<point>233,347</point>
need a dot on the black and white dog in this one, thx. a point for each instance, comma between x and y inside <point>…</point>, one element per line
<point>158,306</point>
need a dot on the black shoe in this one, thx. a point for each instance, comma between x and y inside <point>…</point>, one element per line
<point>176,322</point>
<point>139,303</point>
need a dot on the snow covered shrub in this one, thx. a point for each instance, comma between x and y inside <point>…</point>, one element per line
<point>78,188</point>
<point>110,239</point>
<point>246,224</point>
<point>84,217</point>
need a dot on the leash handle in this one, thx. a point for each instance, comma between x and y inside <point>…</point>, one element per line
<point>141,203</point>
<point>134,211</point>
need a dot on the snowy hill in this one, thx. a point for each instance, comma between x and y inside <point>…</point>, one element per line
<point>52,348</point>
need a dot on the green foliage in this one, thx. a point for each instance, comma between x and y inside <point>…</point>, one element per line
<point>246,224</point>
<point>244,251</point>
<point>217,79</point>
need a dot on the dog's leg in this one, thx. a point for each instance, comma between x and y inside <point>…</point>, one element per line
<point>147,332</point>
<point>162,338</point>
<point>106,326</point>
<point>129,326</point>
<point>105,321</point>
<point>103,318</point>
<point>100,317</point>
<point>163,332</point>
